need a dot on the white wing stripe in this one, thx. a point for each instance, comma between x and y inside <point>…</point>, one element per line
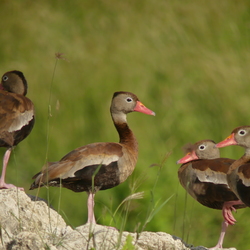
<point>21,121</point>
<point>95,160</point>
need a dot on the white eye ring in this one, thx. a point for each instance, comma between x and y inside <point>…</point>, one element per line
<point>202,147</point>
<point>5,78</point>
<point>242,132</point>
<point>129,99</point>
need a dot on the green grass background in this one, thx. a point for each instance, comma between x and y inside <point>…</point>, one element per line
<point>188,61</point>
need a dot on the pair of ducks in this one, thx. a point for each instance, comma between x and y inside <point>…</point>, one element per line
<point>215,182</point>
<point>96,166</point>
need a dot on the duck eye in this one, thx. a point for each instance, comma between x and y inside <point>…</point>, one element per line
<point>202,147</point>
<point>242,132</point>
<point>129,99</point>
<point>5,78</point>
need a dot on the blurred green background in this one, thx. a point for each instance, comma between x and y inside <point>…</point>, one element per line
<point>188,61</point>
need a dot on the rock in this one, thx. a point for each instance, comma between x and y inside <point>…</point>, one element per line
<point>20,217</point>
<point>30,224</point>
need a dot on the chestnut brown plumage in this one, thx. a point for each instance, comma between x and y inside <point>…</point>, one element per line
<point>16,115</point>
<point>203,175</point>
<point>98,166</point>
<point>238,176</point>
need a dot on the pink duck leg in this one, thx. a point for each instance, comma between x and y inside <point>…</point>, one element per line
<point>4,185</point>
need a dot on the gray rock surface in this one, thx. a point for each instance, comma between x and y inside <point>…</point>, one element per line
<point>28,224</point>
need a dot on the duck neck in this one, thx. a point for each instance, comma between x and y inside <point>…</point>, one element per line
<point>244,159</point>
<point>126,135</point>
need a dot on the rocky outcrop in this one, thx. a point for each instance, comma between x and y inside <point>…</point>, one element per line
<point>28,224</point>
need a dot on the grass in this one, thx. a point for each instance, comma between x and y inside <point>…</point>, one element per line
<point>188,61</point>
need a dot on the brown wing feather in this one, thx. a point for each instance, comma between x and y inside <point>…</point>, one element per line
<point>212,170</point>
<point>16,112</point>
<point>244,174</point>
<point>90,155</point>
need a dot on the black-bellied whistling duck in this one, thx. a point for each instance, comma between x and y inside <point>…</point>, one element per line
<point>203,175</point>
<point>16,116</point>
<point>238,176</point>
<point>102,165</point>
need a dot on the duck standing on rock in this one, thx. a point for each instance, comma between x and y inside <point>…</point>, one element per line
<point>204,175</point>
<point>102,165</point>
<point>16,116</point>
